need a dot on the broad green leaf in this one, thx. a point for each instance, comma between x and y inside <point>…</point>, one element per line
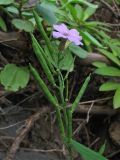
<point>12,9</point>
<point>3,25</point>
<point>111,56</point>
<point>108,71</point>
<point>89,37</point>
<point>109,86</point>
<point>47,10</point>
<point>6,2</point>
<point>99,64</point>
<point>25,25</point>
<point>86,152</point>
<point>67,61</point>
<point>89,12</point>
<point>116,99</point>
<point>83,2</point>
<point>13,78</point>
<point>78,51</point>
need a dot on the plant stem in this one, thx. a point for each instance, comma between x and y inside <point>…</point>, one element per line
<point>61,91</point>
<point>69,132</point>
<point>50,98</point>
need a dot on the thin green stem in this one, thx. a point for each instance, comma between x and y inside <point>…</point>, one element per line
<point>50,97</point>
<point>67,90</point>
<point>61,91</point>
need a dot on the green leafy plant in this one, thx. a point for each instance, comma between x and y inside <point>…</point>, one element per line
<point>112,71</point>
<point>111,85</point>
<point>20,18</point>
<point>51,57</point>
<point>76,14</point>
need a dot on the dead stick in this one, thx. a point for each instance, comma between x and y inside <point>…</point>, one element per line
<point>21,135</point>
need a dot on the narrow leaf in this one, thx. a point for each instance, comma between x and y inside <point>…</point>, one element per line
<point>3,25</point>
<point>80,94</point>
<point>108,71</point>
<point>89,37</point>
<point>109,86</point>
<point>99,64</point>
<point>116,99</point>
<point>110,56</point>
<point>43,86</point>
<point>81,53</point>
<point>86,152</point>
<point>40,55</point>
<point>43,33</point>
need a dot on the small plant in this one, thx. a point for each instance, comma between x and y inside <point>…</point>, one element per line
<point>77,14</point>
<point>20,18</point>
<point>57,54</point>
<point>51,57</point>
<point>113,70</point>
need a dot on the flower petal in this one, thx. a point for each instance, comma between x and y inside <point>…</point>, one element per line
<point>74,32</point>
<point>75,39</point>
<point>58,35</point>
<point>62,28</point>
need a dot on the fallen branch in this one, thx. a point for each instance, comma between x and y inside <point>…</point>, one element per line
<point>13,39</point>
<point>93,57</point>
<point>24,131</point>
<point>96,109</point>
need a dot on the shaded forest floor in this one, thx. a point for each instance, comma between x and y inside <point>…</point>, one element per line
<point>27,118</point>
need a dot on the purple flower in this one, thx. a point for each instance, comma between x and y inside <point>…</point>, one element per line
<point>61,31</point>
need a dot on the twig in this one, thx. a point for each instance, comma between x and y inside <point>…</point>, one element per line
<point>95,100</point>
<point>113,154</point>
<point>41,150</point>
<point>12,125</point>
<point>88,114</point>
<point>98,110</point>
<point>94,142</point>
<point>21,135</point>
<point>110,8</point>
